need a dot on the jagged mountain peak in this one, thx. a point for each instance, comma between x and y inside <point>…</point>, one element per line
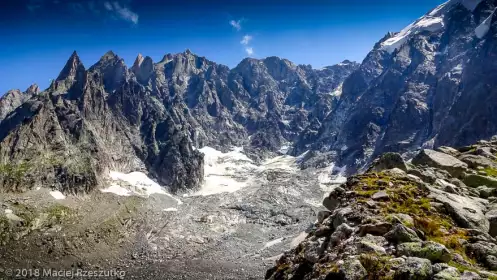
<point>33,89</point>
<point>72,69</point>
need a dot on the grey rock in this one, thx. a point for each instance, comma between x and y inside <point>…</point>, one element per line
<point>450,273</point>
<point>474,161</point>
<point>440,160</point>
<point>330,203</point>
<point>322,215</point>
<point>467,212</point>
<point>448,150</point>
<point>470,275</point>
<point>388,161</point>
<point>430,250</point>
<point>381,195</point>
<point>414,268</point>
<point>353,270</point>
<point>492,219</point>
<point>400,233</point>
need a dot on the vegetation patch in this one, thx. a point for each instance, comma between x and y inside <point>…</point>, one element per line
<point>378,267</point>
<point>492,172</point>
<point>406,197</point>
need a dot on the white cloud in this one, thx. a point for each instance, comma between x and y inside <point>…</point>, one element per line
<point>121,12</point>
<point>249,50</point>
<point>236,24</point>
<point>108,6</point>
<point>246,40</point>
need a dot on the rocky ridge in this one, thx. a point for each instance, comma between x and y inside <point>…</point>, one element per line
<point>431,218</point>
<point>151,116</point>
<point>428,85</point>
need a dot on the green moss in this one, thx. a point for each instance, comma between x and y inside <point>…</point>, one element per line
<point>58,213</point>
<point>492,172</point>
<point>378,267</point>
<point>406,197</point>
<point>462,267</point>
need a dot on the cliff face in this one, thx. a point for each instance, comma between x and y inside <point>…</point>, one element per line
<point>150,118</point>
<point>429,85</point>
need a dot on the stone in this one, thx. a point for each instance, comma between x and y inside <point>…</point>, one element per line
<point>322,215</point>
<point>388,161</point>
<point>395,172</point>
<point>340,216</point>
<point>491,262</point>
<point>448,150</point>
<point>485,192</point>
<point>467,212</point>
<point>470,275</point>
<point>414,269</point>
<point>342,232</point>
<point>473,161</point>
<point>437,267</point>
<point>430,250</point>
<point>353,270</point>
<point>400,233</point>
<point>425,175</point>
<point>381,195</point>
<point>403,218</point>
<point>374,229</point>
<point>492,219</point>
<point>364,246</point>
<point>450,273</point>
<point>476,180</point>
<point>440,160</point>
<point>330,203</point>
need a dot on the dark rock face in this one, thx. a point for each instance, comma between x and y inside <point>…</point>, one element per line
<point>150,117</point>
<point>433,87</point>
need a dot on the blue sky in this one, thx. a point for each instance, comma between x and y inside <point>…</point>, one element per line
<point>38,36</point>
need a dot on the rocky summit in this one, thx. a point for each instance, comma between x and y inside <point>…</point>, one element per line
<point>430,218</point>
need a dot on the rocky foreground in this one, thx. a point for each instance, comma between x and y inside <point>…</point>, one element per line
<point>432,218</point>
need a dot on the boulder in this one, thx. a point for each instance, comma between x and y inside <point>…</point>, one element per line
<point>401,233</point>
<point>473,161</point>
<point>330,203</point>
<point>476,180</point>
<point>448,150</point>
<point>467,212</point>
<point>381,195</point>
<point>450,273</point>
<point>492,219</point>
<point>440,160</point>
<point>388,161</point>
<point>414,269</point>
<point>322,215</point>
<point>353,270</point>
<point>430,250</point>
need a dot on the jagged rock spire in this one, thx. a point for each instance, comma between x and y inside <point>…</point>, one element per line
<point>33,89</point>
<point>73,69</point>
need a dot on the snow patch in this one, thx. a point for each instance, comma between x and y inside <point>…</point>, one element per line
<point>170,209</point>
<point>116,189</point>
<point>484,27</point>
<point>8,211</point>
<point>135,183</point>
<point>426,23</point>
<point>274,242</point>
<point>232,171</point>
<point>284,149</point>
<point>57,195</point>
<point>222,171</point>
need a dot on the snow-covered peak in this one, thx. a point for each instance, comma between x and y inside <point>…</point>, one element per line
<point>426,23</point>
<point>432,22</point>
